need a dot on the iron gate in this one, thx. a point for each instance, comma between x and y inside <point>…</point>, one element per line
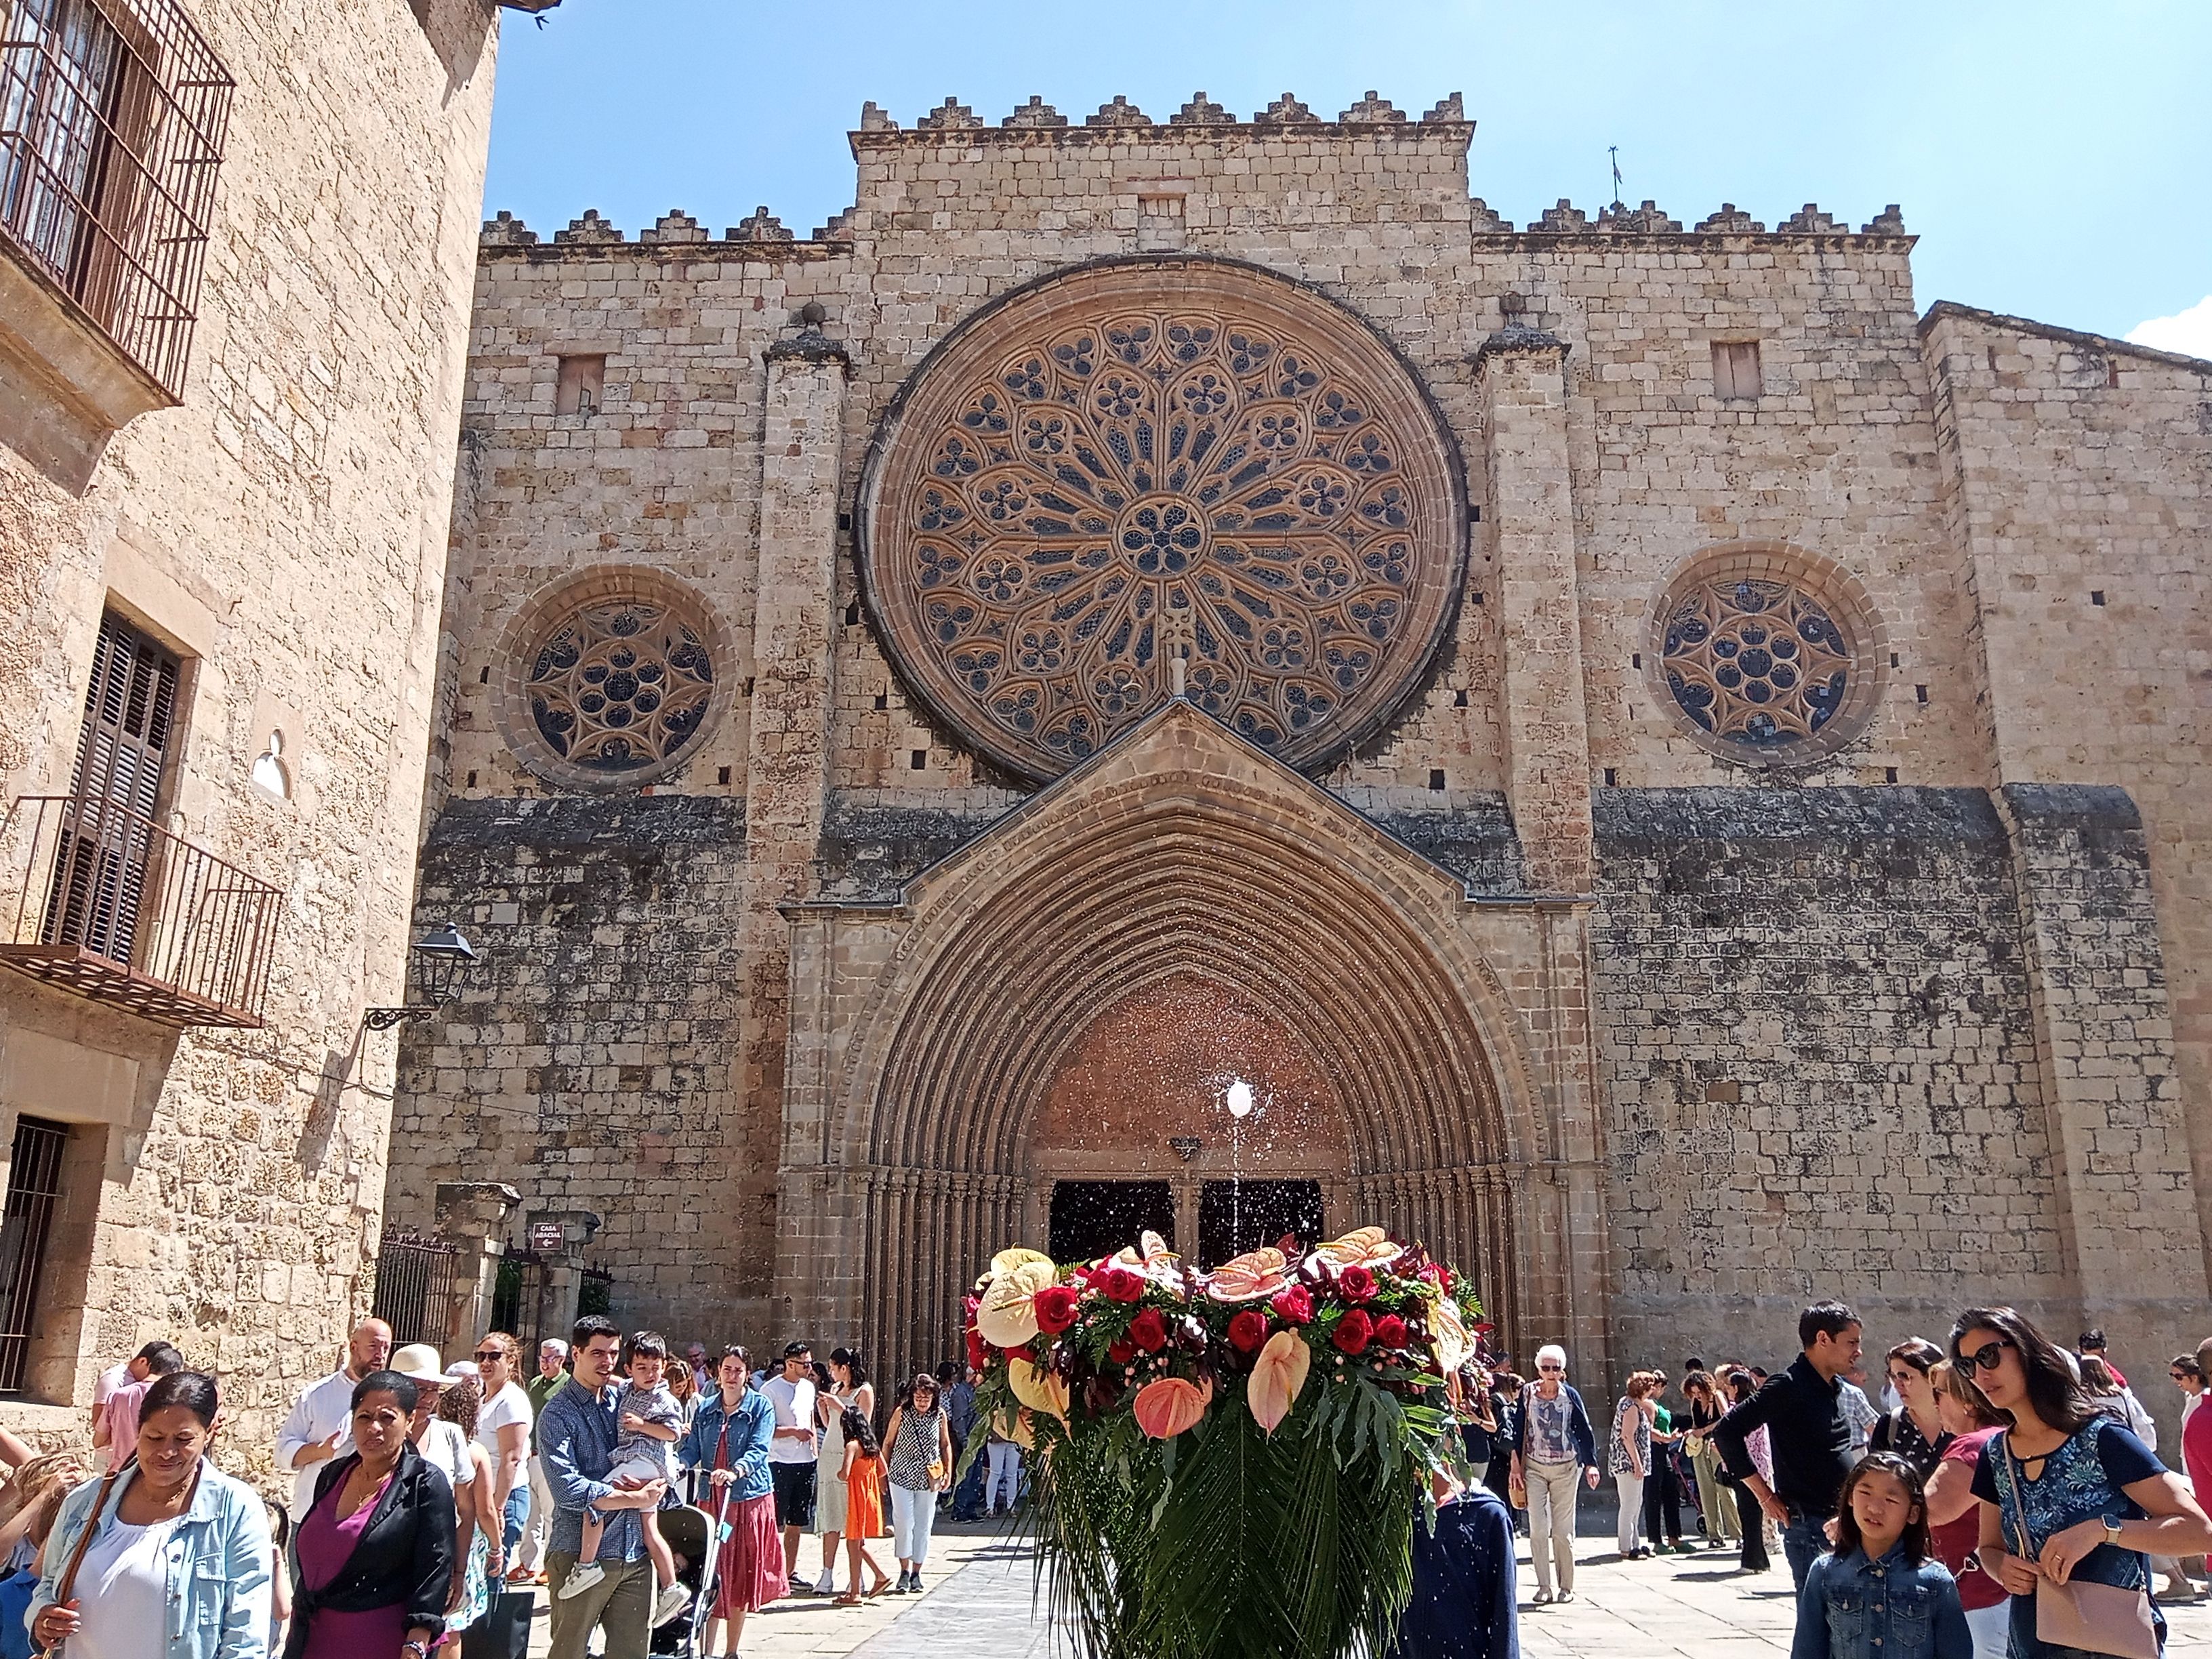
<point>414,1276</point>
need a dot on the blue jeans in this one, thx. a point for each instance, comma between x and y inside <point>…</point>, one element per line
<point>518,1512</point>
<point>1804,1541</point>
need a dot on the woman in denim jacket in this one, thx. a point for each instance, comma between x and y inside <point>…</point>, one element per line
<point>178,1566</point>
<point>729,1439</point>
<point>1880,1595</point>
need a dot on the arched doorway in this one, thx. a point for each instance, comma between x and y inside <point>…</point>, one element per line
<point>1183,858</point>
<point>1190,1107</point>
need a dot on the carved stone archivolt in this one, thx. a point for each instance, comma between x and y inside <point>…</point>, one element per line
<point>1151,473</point>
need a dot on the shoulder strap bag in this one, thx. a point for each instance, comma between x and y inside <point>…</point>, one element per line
<point>67,1588</point>
<point>2094,1617</point>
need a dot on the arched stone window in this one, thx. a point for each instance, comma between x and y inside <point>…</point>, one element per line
<point>1766,653</point>
<point>610,680</point>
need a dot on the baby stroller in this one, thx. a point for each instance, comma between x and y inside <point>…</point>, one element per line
<point>691,1534</point>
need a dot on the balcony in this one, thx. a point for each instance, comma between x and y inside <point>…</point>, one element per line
<point>113,907</point>
<point>114,115</point>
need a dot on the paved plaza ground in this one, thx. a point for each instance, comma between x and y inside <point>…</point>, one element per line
<point>980,1602</point>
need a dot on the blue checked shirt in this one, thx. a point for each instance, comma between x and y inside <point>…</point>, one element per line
<point>576,1434</point>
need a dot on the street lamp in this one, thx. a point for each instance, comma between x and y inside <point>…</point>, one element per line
<point>442,955</point>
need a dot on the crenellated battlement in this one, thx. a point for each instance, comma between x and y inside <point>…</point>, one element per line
<point>1202,149</point>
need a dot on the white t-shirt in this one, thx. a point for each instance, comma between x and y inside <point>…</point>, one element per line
<point>445,1448</point>
<point>109,1380</point>
<point>510,1405</point>
<point>794,1409</point>
<point>123,1592</point>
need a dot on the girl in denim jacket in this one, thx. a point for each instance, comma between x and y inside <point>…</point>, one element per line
<point>1879,1595</point>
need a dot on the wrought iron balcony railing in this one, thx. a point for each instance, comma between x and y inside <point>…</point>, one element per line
<point>114,907</point>
<point>112,119</point>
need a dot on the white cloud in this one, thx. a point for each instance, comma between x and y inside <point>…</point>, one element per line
<point>2189,333</point>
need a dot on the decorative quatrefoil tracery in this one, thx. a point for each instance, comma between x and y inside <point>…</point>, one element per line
<point>1114,472</point>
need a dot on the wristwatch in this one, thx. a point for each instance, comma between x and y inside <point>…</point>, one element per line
<point>2111,1529</point>
<point>419,1650</point>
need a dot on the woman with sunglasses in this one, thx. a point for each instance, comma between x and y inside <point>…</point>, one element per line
<point>2067,1494</point>
<point>1915,1430</point>
<point>503,1431</point>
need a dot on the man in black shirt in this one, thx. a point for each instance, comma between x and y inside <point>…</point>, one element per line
<point>1808,1434</point>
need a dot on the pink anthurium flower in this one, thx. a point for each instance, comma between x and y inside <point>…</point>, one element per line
<point>1277,1376</point>
<point>1165,1408</point>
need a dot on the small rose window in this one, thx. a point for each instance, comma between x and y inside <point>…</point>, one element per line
<point>619,687</point>
<point>1769,665</point>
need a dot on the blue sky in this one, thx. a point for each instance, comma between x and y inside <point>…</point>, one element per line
<point>2052,157</point>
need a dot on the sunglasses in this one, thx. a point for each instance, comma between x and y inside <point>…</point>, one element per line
<point>1551,1368</point>
<point>1986,1357</point>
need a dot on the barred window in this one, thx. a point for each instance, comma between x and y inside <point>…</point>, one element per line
<point>112,119</point>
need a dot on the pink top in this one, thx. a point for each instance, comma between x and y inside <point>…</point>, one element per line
<point>2196,1452</point>
<point>121,1418</point>
<point>1954,1540</point>
<point>325,1545</point>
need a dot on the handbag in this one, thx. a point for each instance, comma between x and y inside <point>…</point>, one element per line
<point>2095,1618</point>
<point>66,1589</point>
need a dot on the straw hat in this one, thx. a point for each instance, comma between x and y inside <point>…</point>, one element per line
<point>418,1362</point>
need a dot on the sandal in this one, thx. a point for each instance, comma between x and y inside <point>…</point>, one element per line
<point>879,1587</point>
<point>849,1600</point>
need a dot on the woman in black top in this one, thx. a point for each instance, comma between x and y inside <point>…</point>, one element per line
<point>1915,1430</point>
<point>374,1566</point>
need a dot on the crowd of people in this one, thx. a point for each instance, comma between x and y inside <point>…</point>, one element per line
<point>2001,1496</point>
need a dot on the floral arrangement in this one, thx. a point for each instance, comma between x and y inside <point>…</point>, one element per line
<point>1231,1462</point>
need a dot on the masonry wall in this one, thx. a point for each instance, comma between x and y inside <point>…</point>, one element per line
<point>2081,469</point>
<point>591,1063</point>
<point>1820,1056</point>
<point>284,530</point>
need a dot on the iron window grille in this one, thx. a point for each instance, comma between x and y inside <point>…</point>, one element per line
<point>112,119</point>
<point>34,1186</point>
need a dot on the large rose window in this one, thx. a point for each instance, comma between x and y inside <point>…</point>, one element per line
<point>1147,475</point>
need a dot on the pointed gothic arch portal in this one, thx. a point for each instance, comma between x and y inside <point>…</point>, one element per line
<point>1208,933</point>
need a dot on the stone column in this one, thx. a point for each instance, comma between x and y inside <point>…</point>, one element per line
<point>471,1216</point>
<point>1522,376</point>
<point>787,764</point>
<point>564,1267</point>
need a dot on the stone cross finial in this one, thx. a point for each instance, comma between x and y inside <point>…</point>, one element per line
<point>508,231</point>
<point>1807,218</point>
<point>674,226</point>
<point>1199,112</point>
<point>1035,114</point>
<point>1372,111</point>
<point>1890,222</point>
<point>591,229</point>
<point>1287,111</point>
<point>1562,219</point>
<point>950,116</point>
<point>1732,220</point>
<point>1118,114</point>
<point>760,226</point>
<point>1450,107</point>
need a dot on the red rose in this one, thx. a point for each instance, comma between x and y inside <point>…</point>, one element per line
<point>979,1352</point>
<point>1056,1307</point>
<point>1357,1284</point>
<point>1390,1331</point>
<point>1247,1330</point>
<point>1294,1305</point>
<point>1353,1332</point>
<point>1149,1331</point>
<point>1122,1351</point>
<point>1120,1285</point>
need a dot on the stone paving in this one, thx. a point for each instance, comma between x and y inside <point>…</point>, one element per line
<point>981,1586</point>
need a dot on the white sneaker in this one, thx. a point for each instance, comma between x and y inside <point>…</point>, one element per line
<point>581,1580</point>
<point>672,1600</point>
<point>826,1584</point>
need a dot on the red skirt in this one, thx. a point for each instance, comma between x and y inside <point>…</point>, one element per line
<point>750,1574</point>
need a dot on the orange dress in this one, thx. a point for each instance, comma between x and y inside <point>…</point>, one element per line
<point>864,1498</point>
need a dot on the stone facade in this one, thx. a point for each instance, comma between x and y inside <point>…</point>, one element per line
<point>1622,1009</point>
<point>279,524</point>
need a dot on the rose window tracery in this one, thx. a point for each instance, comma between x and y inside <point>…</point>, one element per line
<point>1117,469</point>
<point>618,686</point>
<point>1758,665</point>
